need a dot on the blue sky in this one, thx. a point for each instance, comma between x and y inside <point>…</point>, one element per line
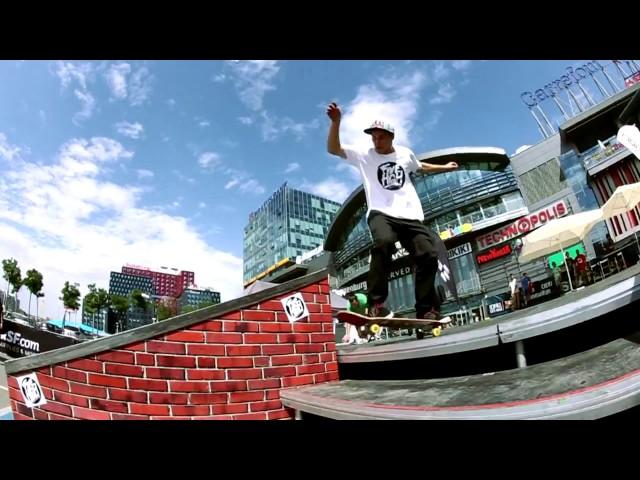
<point>159,163</point>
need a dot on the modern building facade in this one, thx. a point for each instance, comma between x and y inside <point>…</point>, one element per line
<point>194,297</point>
<point>165,283</point>
<point>290,223</point>
<point>123,284</point>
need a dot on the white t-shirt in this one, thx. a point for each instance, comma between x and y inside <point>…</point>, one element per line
<point>386,180</point>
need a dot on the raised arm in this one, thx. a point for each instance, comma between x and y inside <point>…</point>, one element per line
<point>333,140</point>
<point>433,168</point>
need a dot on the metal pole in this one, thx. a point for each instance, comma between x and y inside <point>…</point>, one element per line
<point>564,259</point>
<point>520,357</point>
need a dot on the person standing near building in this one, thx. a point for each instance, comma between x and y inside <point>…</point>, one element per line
<point>394,213</point>
<point>515,293</point>
<point>358,303</point>
<point>525,282</point>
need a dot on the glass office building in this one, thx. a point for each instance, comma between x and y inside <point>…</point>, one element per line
<point>288,224</point>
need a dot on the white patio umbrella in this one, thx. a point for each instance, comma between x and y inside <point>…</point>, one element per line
<point>557,234</point>
<point>625,198</point>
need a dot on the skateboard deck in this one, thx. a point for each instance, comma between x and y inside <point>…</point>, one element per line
<point>371,325</point>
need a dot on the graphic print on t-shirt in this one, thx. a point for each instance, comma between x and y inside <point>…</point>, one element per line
<point>391,176</point>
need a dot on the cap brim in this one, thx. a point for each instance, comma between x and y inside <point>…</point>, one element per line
<point>369,130</point>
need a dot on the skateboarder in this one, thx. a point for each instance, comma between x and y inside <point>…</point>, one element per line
<point>358,303</point>
<point>394,213</point>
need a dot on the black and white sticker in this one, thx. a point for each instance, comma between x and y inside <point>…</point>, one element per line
<point>295,308</point>
<point>31,390</point>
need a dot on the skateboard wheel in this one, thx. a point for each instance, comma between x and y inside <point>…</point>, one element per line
<point>419,334</point>
<point>436,331</point>
<point>375,328</point>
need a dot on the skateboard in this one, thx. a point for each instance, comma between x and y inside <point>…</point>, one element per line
<point>372,325</point>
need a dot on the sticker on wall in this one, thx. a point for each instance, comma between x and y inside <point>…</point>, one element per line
<point>31,390</point>
<point>295,307</point>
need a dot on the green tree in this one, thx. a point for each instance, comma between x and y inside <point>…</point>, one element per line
<point>163,311</point>
<point>13,276</point>
<point>70,298</point>
<point>121,305</point>
<point>90,302</point>
<point>138,299</point>
<point>33,282</point>
<point>103,301</point>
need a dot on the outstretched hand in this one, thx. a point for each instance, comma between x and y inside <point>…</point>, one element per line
<point>334,113</point>
<point>451,166</point>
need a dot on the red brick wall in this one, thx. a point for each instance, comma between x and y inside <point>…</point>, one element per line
<point>229,368</point>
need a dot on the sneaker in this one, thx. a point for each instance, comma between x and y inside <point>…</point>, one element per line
<point>380,311</point>
<point>432,315</point>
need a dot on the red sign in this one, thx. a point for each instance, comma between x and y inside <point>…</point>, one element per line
<point>632,80</point>
<point>522,225</point>
<point>494,254</point>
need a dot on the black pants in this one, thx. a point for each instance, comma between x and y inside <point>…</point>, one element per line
<point>421,244</point>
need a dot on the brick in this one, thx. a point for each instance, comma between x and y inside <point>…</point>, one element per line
<point>190,410</point>
<point>297,381</point>
<point>16,395</point>
<point>124,370</point>
<point>260,338</point>
<point>230,409</point>
<point>145,359</point>
<point>328,357</point>
<point>128,395</point>
<point>188,386</point>
<point>264,384</point>
<point>293,338</point>
<point>277,349</point>
<point>324,288</point>
<point>232,316</point>
<point>251,416</point>
<point>48,393</point>
<point>206,362</point>
<point>155,346</point>
<point>53,416</point>
<point>109,405</point>
<point>243,350</point>
<point>168,417</point>
<point>75,375</point>
<point>19,416</point>
<point>310,289</point>
<point>230,386</point>
<point>166,373</point>
<point>137,347</point>
<point>86,365</point>
<point>224,337</point>
<point>208,398</point>
<point>262,361</point>
<point>306,369</point>
<point>314,308</point>
<point>268,405</point>
<point>235,362</point>
<point>321,298</point>
<point>282,317</point>
<point>322,337</point>
<point>97,379</point>
<point>326,308</point>
<point>242,397</point>
<point>240,327</point>
<point>118,357</point>
<point>47,381</point>
<point>12,382</point>
<point>175,361</point>
<point>144,409</point>
<point>307,327</point>
<point>205,374</point>
<point>308,297</point>
<point>209,326</point>
<point>122,416</point>
<point>280,414</point>
<point>244,374</point>
<point>144,384</point>
<point>275,328</point>
<point>286,360</point>
<point>186,336</point>
<point>88,414</point>
<point>56,407</point>
<point>333,376</point>
<point>331,366</point>
<point>272,305</point>
<point>40,415</point>
<point>328,327</point>
<point>311,358</point>
<point>216,417</point>
<point>88,390</point>
<point>272,394</point>
<point>330,347</point>
<point>321,317</point>
<point>170,398</point>
<point>279,372</point>
<point>321,378</point>
<point>258,315</point>
<point>205,349</point>
<point>70,399</point>
<point>24,410</point>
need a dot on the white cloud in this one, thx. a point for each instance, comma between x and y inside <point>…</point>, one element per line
<point>142,173</point>
<point>131,130</point>
<point>183,177</point>
<point>246,120</point>
<point>461,64</point>
<point>43,116</point>
<point>253,79</point>
<point>67,72</point>
<point>70,223</point>
<point>330,188</point>
<point>7,151</point>
<point>251,186</point>
<point>140,86</point>
<point>116,78</point>
<point>292,167</point>
<point>209,160</point>
<point>445,94</point>
<point>440,72</point>
<point>243,181</point>
<point>394,99</point>
<point>202,205</point>
<point>204,123</point>
<point>171,102</point>
<point>88,104</point>
<point>274,127</point>
<point>231,184</point>
<point>221,77</point>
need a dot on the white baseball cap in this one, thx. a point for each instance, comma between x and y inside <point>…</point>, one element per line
<point>380,125</point>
